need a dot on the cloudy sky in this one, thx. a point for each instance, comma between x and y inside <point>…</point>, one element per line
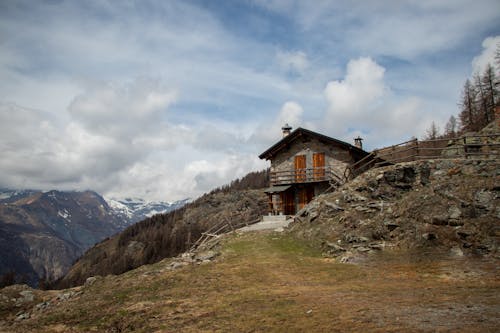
<point>166,99</point>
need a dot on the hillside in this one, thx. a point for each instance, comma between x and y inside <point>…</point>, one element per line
<point>166,235</point>
<point>268,282</point>
<point>405,248</point>
<point>449,205</point>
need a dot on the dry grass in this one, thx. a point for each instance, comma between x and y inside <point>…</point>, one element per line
<point>273,283</point>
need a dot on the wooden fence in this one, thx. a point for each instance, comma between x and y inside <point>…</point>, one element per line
<point>211,237</point>
<point>467,146</point>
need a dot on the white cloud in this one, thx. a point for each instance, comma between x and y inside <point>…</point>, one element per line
<point>363,85</point>
<point>123,110</point>
<point>118,141</point>
<point>363,104</point>
<point>490,46</point>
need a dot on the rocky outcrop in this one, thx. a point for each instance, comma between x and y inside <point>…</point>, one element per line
<point>450,205</point>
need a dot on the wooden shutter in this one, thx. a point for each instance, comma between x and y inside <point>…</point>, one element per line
<point>300,168</point>
<point>319,166</point>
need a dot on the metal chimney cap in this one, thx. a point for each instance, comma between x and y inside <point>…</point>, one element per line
<point>286,127</point>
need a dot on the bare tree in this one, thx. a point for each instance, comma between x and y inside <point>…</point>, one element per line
<point>432,132</point>
<point>468,107</point>
<point>450,129</point>
<point>490,93</point>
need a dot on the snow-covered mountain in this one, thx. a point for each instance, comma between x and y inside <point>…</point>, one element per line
<point>136,209</point>
<point>42,233</point>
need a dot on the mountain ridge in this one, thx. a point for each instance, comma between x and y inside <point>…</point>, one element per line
<point>44,232</point>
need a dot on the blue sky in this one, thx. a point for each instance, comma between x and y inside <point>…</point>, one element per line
<point>167,99</point>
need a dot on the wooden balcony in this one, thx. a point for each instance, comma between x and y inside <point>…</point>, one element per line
<point>308,175</point>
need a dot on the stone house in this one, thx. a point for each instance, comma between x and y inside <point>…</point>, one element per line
<point>305,164</point>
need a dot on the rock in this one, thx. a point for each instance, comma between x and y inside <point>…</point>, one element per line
<point>454,213</point>
<point>26,296</point>
<point>362,249</point>
<point>353,197</point>
<point>334,247</point>
<point>332,206</point>
<point>376,205</point>
<point>356,239</point>
<point>425,173</point>
<point>90,281</point>
<point>364,209</point>
<point>484,200</point>
<point>23,316</point>
<point>438,173</point>
<point>42,306</point>
<point>463,234</point>
<point>206,255</point>
<point>456,251</point>
<point>377,246</point>
<point>177,265</point>
<point>455,223</point>
<point>429,236</point>
<point>187,256</point>
<point>68,295</point>
<point>346,259</point>
<point>440,220</point>
<point>401,177</point>
<point>391,225</point>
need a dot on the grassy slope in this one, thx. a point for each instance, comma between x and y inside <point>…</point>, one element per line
<point>267,282</point>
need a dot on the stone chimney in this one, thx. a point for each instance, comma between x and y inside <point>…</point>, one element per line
<point>286,130</point>
<point>358,142</point>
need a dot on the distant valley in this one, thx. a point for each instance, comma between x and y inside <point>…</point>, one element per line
<point>43,233</point>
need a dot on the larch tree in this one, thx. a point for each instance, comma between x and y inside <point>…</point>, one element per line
<point>432,132</point>
<point>450,129</point>
<point>468,112</point>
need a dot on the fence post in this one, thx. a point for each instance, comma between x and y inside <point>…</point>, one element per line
<point>417,156</point>
<point>465,146</point>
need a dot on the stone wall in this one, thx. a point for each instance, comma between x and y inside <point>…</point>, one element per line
<point>336,157</point>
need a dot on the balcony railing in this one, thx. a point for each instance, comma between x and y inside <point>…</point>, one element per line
<point>308,175</point>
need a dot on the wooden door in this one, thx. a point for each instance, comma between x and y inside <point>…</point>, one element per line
<point>300,168</point>
<point>319,166</point>
<point>288,202</point>
<point>304,196</point>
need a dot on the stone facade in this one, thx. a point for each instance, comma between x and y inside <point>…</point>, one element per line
<point>336,158</point>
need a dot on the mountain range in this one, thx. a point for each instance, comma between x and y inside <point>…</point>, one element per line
<point>43,233</point>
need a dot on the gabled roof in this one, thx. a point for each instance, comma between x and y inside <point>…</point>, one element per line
<point>301,132</point>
